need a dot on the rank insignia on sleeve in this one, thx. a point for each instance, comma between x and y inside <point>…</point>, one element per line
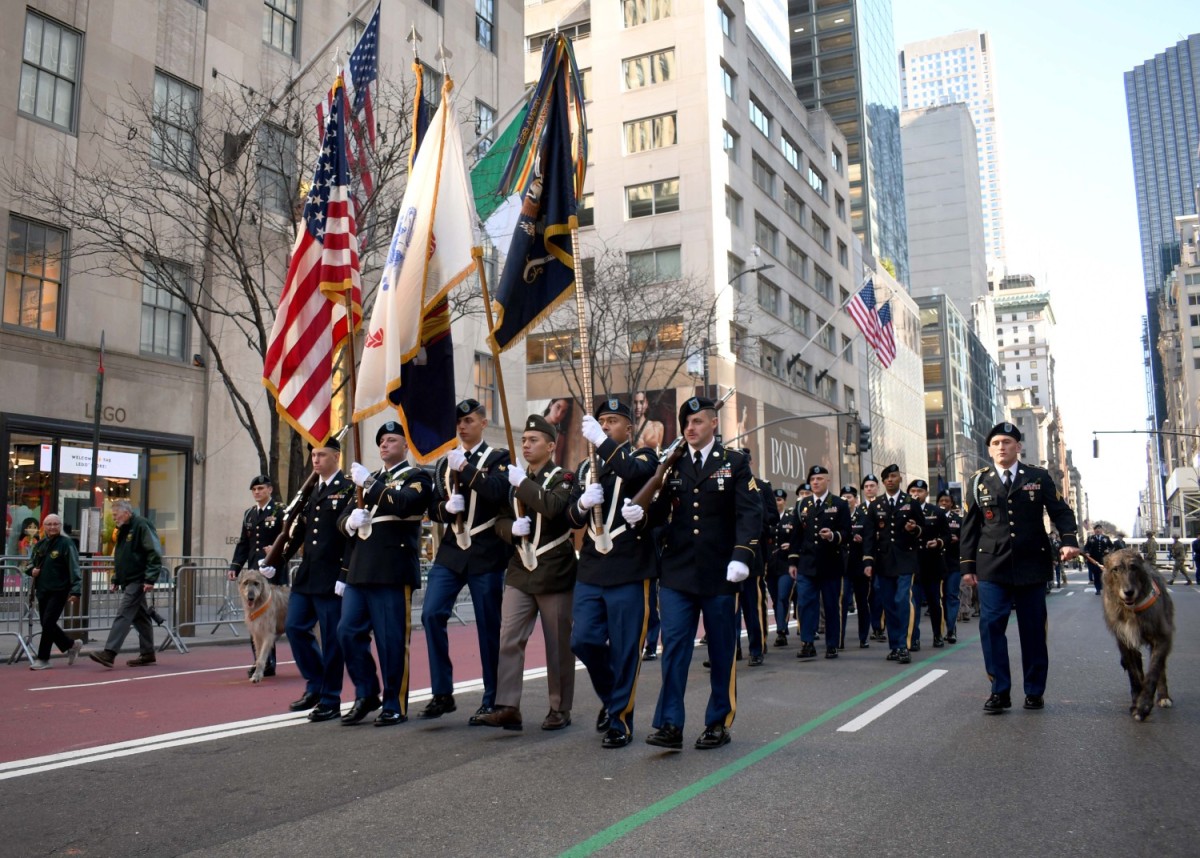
<point>418,487</point>
<point>753,485</point>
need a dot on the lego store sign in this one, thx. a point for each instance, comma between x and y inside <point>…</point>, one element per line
<point>78,460</point>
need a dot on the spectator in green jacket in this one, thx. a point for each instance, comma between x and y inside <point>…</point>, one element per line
<point>54,566</point>
<point>137,563</point>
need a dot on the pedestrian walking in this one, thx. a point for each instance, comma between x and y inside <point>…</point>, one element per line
<point>54,567</point>
<point>137,563</point>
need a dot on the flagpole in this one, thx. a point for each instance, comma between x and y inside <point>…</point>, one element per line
<point>600,535</point>
<point>356,430</point>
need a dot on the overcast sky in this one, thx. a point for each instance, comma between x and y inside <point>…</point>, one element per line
<point>1070,210</point>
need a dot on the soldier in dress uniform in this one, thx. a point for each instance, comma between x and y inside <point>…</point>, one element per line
<point>1097,547</point>
<point>816,564</point>
<point>317,589</point>
<point>931,561</point>
<point>953,601</point>
<point>383,568</point>
<point>261,524</point>
<point>859,584</point>
<point>616,572</point>
<point>472,487</point>
<point>1006,548</point>
<point>753,596</point>
<point>711,519</point>
<point>779,582</point>
<point>540,580</point>
<point>870,489</point>
<point>890,559</point>
<point>1179,553</point>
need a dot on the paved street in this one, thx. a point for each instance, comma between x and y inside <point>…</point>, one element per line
<point>930,775</point>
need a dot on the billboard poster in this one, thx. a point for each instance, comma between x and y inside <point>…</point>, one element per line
<point>655,422</point>
<point>789,448</point>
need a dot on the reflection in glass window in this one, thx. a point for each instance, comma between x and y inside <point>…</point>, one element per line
<point>654,132</point>
<point>649,69</point>
<point>164,309</point>
<point>49,71</point>
<point>33,275</point>
<point>652,198</point>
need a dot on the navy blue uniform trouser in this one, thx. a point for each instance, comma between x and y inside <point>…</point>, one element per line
<point>784,588</point>
<point>321,666</point>
<point>753,603</point>
<point>953,602</point>
<point>813,591</point>
<point>859,586</point>
<point>653,622</point>
<point>996,602</point>
<point>441,590</point>
<point>931,588</point>
<point>608,633</point>
<point>898,609</point>
<point>387,611</point>
<point>681,613</point>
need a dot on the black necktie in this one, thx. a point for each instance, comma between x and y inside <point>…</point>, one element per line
<point>1007,481</point>
<point>699,459</point>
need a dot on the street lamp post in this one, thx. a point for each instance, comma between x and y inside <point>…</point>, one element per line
<point>754,252</point>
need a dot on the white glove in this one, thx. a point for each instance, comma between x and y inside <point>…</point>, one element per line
<point>456,459</point>
<point>268,572</point>
<point>455,504</point>
<point>357,519</point>
<point>737,571</point>
<point>521,526</point>
<point>592,495</point>
<point>339,588</point>
<point>516,475</point>
<point>631,512</point>
<point>359,474</point>
<point>592,431</point>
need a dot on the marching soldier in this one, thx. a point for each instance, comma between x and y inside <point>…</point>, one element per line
<point>860,584</point>
<point>779,581</point>
<point>383,569</point>
<point>753,596</point>
<point>472,485</point>
<point>1179,555</point>
<point>870,489</point>
<point>261,525</point>
<point>1097,547</point>
<point>541,576</point>
<point>711,520</point>
<point>953,568</point>
<point>616,572</point>
<point>1005,547</point>
<point>890,558</point>
<point>822,528</point>
<point>931,562</point>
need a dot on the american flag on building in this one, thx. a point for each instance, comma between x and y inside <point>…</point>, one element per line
<point>312,321</point>
<point>862,310</point>
<point>886,350</point>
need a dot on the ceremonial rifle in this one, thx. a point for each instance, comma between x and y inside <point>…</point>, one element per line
<point>667,460</point>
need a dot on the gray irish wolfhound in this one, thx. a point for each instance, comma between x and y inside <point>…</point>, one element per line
<point>1139,612</point>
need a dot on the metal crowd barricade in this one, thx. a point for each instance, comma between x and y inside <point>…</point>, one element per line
<point>204,596</point>
<point>17,614</point>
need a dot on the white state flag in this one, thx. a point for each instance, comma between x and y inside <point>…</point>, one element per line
<point>430,253</point>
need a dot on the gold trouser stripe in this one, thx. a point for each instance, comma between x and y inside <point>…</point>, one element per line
<point>408,591</point>
<point>737,613</point>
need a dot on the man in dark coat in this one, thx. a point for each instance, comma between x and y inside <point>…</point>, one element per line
<point>931,566</point>
<point>822,530</point>
<point>137,563</point>
<point>890,559</point>
<point>261,525</point>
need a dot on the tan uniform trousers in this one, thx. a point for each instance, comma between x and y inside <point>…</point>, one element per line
<point>518,613</point>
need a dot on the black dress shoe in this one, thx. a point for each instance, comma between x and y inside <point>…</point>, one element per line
<point>863,645</point>
<point>780,640</point>
<point>831,653</point>
<point>807,651</point>
<point>308,701</point>
<point>603,721</point>
<point>324,712</point>
<point>951,639</point>
<point>387,719</point>
<point>476,720</point>
<point>902,656</point>
<point>1034,701</point>
<point>997,703</point>
<point>362,707</point>
<point>893,655</point>
<point>649,655</point>
<point>756,661</point>
<point>938,643</point>
<point>713,737</point>
<point>438,706</point>
<point>668,736</point>
<point>615,739</point>
<point>916,647</point>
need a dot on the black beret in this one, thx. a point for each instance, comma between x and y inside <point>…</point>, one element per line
<point>538,423</point>
<point>918,484</point>
<point>869,478</point>
<point>781,493</point>
<point>467,406</point>
<point>1004,429</point>
<point>331,443</point>
<point>817,469</point>
<point>890,469</point>
<point>392,427</point>
<point>944,494</point>
<point>803,487</point>
<point>614,406</point>
<point>261,480</point>
<point>694,406</point>
<point>849,490</point>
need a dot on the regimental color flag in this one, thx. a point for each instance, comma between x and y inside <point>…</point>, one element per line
<point>862,310</point>
<point>408,358</point>
<point>312,321</point>
<point>887,336</point>
<point>539,271</point>
<point>420,113</point>
<point>498,213</point>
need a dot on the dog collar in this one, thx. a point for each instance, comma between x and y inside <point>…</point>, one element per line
<point>1145,604</point>
<point>261,609</point>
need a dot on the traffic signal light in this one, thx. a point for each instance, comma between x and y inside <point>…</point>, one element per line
<point>864,437</point>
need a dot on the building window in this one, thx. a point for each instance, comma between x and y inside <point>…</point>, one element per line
<point>172,140</point>
<point>649,69</point>
<point>642,11</point>
<point>770,359</point>
<point>797,261</point>
<point>799,316</point>
<point>49,71</point>
<point>553,347</point>
<point>729,82</point>
<point>279,24</point>
<point>277,178</point>
<point>793,205</point>
<point>485,118</point>
<point>802,375</point>
<point>654,132</point>
<point>33,281</point>
<point>788,148</point>
<point>847,353</point>
<point>164,309</point>
<point>825,334</point>
<point>851,399</point>
<point>659,335</point>
<point>733,207</point>
<point>823,283</point>
<point>435,5</point>
<point>817,181</point>
<point>739,342</point>
<point>837,161</point>
<point>759,117</point>
<point>652,198</point>
<point>766,235</point>
<point>485,384</point>
<point>840,207</point>
<point>585,83</point>
<point>431,89</point>
<point>768,295</point>
<point>820,232</point>
<point>654,266</point>
<point>764,177</point>
<point>843,254</point>
<point>729,142</point>
<point>726,22</point>
<point>827,388</point>
<point>586,213</point>
<point>575,32</point>
<point>485,25</point>
<point>733,267</point>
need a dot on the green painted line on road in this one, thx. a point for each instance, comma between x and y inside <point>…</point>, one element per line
<point>634,821</point>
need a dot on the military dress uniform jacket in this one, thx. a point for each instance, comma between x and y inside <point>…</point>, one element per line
<point>391,553</point>
<point>707,519</point>
<point>623,471</point>
<point>932,561</point>
<point>1098,547</point>
<point>544,496</point>
<point>260,527</point>
<point>483,483</point>
<point>1004,538</point>
<point>766,541</point>
<point>810,554</point>
<point>890,549</point>
<point>317,532</point>
<point>781,543</point>
<point>954,544</point>
<point>860,523</point>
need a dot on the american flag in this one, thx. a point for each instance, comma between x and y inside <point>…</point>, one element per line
<point>311,323</point>
<point>887,336</point>
<point>862,309</point>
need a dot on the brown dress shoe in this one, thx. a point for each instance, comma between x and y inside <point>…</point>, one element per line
<point>143,659</point>
<point>556,719</point>
<point>508,717</point>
